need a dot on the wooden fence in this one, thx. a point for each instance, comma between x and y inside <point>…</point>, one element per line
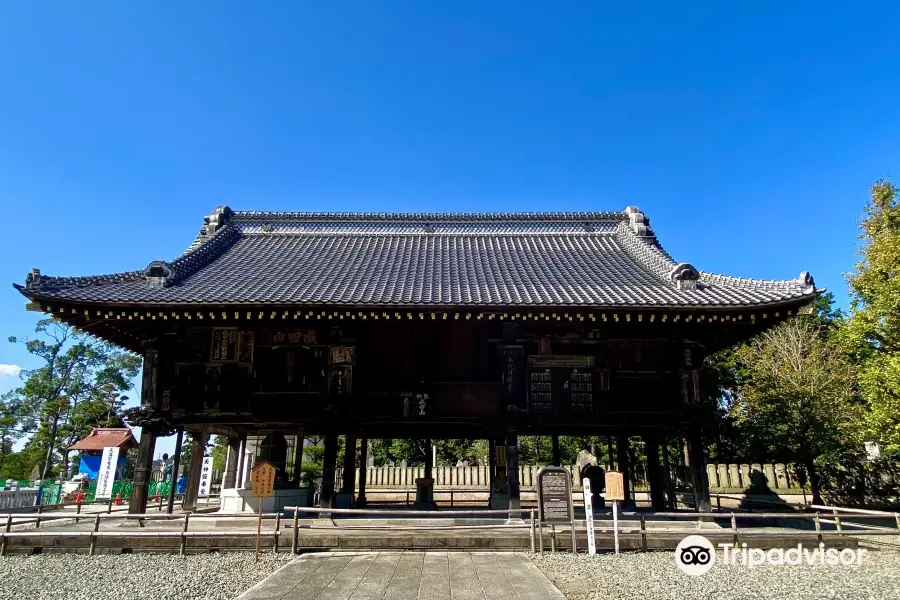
<point>723,478</point>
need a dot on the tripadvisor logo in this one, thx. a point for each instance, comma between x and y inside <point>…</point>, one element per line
<point>695,555</point>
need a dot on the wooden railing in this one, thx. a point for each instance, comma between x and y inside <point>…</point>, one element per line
<point>722,477</point>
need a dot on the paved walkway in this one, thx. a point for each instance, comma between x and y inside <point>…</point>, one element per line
<point>407,576</point>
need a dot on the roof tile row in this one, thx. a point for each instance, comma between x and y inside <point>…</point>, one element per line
<point>558,259</point>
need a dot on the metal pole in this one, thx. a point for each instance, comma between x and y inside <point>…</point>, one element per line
<point>6,530</point>
<point>183,531</point>
<point>532,529</point>
<point>735,529</point>
<point>616,524</point>
<point>296,531</point>
<point>818,527</point>
<point>552,539</point>
<point>277,527</point>
<point>574,543</point>
<point>540,535</point>
<point>643,533</point>
<point>837,519</point>
<point>94,537</point>
<point>258,528</point>
<point>176,463</point>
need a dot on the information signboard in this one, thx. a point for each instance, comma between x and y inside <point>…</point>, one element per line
<point>615,486</point>
<point>615,493</point>
<point>262,485</point>
<point>555,496</point>
<point>262,480</point>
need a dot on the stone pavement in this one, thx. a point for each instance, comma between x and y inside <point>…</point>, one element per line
<point>407,576</point>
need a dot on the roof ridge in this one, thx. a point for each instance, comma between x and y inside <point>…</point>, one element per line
<point>425,217</point>
<point>804,282</point>
<point>216,236</point>
<point>638,239</point>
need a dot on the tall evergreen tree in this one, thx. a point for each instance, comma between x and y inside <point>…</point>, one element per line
<point>873,331</point>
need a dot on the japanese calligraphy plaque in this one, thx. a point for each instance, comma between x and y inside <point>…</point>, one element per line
<point>262,481</point>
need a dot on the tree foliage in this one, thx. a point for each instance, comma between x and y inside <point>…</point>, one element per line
<point>872,334</point>
<point>79,384</point>
<point>798,396</point>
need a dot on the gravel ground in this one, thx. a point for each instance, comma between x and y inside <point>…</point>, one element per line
<point>133,576</point>
<point>653,576</point>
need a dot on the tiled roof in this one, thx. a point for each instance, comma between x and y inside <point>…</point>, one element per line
<point>106,437</point>
<point>608,259</point>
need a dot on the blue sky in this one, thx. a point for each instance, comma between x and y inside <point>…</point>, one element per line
<point>750,135</point>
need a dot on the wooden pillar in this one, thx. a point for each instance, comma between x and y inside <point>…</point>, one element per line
<point>609,451</point>
<point>329,464</point>
<point>349,470</point>
<point>138,503</point>
<point>697,466</point>
<point>512,474</point>
<point>176,464</point>
<point>667,473</point>
<point>363,466</point>
<point>429,466</point>
<point>492,468</point>
<point>229,478</point>
<point>654,473</point>
<point>557,461</point>
<point>147,444</point>
<point>198,446</point>
<point>298,458</point>
<point>241,462</point>
<point>622,446</point>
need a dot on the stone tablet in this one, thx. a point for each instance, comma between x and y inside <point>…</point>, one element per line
<point>555,495</point>
<point>615,486</point>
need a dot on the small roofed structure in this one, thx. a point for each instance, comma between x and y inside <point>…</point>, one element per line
<point>91,447</point>
<point>106,437</point>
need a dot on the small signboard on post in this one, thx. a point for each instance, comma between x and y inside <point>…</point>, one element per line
<point>205,477</point>
<point>589,515</point>
<point>615,491</point>
<point>555,504</point>
<point>106,476</point>
<point>262,485</point>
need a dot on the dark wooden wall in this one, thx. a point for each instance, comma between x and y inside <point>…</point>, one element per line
<point>419,371</point>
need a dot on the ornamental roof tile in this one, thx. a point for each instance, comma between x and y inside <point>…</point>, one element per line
<point>597,259</point>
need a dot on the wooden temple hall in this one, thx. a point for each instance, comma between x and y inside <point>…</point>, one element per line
<point>419,326</point>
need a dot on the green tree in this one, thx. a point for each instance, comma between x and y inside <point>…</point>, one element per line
<point>313,459</point>
<point>15,466</point>
<point>218,452</point>
<point>450,452</point>
<point>10,426</point>
<point>412,451</point>
<point>63,398</point>
<point>798,396</point>
<point>381,452</point>
<point>535,449</point>
<point>872,334</point>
